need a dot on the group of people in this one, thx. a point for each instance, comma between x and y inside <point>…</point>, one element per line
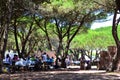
<point>10,57</point>
<point>31,60</point>
<point>9,61</point>
<point>46,59</point>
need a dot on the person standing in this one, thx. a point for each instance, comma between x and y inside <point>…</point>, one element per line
<point>44,60</point>
<point>44,57</point>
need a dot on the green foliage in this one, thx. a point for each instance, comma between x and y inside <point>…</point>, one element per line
<point>65,11</point>
<point>63,4</point>
<point>98,38</point>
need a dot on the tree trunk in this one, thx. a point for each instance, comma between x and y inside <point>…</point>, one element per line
<point>63,63</point>
<point>118,4</point>
<point>58,52</point>
<point>65,54</point>
<point>47,35</point>
<point>116,61</point>
<point>16,40</point>
<point>24,42</point>
<point>82,61</point>
<point>5,42</point>
<point>5,37</point>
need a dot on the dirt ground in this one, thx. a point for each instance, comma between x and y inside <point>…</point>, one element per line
<point>62,74</point>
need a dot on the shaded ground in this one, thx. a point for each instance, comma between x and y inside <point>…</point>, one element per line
<point>62,74</point>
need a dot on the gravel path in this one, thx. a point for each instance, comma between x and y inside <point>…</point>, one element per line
<point>63,75</point>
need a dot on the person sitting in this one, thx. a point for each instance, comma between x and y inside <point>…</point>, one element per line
<point>6,63</point>
<point>33,58</point>
<point>51,60</point>
<point>7,60</point>
<point>15,58</point>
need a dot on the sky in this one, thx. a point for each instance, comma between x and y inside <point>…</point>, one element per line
<point>107,22</point>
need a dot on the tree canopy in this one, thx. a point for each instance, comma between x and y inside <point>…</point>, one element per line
<point>56,22</point>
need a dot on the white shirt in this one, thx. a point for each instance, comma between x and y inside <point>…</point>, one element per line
<point>44,57</point>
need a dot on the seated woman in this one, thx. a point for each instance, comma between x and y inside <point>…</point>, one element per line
<point>7,60</point>
<point>15,58</point>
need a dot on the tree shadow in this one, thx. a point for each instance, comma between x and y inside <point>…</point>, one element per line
<point>59,75</point>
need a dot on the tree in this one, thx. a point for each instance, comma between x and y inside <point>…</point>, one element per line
<point>23,28</point>
<point>116,61</point>
<point>69,18</point>
<point>5,18</point>
<point>112,5</point>
<point>43,24</point>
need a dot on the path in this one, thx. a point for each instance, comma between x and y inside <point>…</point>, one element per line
<point>63,75</point>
